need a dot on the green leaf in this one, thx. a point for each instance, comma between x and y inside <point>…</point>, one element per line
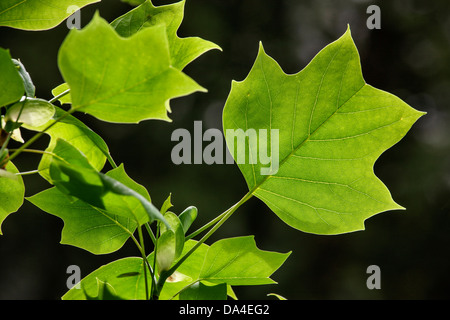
<point>129,287</point>
<point>11,84</point>
<point>37,14</point>
<point>332,127</point>
<point>125,276</point>
<point>72,174</point>
<point>166,205</point>
<point>30,89</point>
<point>187,217</point>
<point>97,230</point>
<point>78,135</point>
<point>234,261</point>
<point>170,242</point>
<point>12,191</point>
<point>237,261</point>
<point>118,79</point>
<point>32,112</point>
<point>85,226</point>
<point>182,50</point>
<point>104,292</point>
<point>201,291</point>
<point>279,297</point>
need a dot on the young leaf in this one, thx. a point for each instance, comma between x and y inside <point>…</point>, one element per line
<point>182,50</point>
<point>30,89</point>
<point>118,79</point>
<point>12,191</point>
<point>166,205</point>
<point>187,217</point>
<point>37,14</point>
<point>11,84</point>
<point>332,127</point>
<point>33,112</point>
<point>170,242</point>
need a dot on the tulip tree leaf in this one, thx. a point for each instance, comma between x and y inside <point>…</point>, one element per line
<point>11,83</point>
<point>71,172</point>
<point>332,127</point>
<point>85,226</point>
<point>12,191</point>
<point>97,230</point>
<point>37,14</point>
<point>125,80</point>
<point>235,260</point>
<point>126,287</point>
<point>182,50</point>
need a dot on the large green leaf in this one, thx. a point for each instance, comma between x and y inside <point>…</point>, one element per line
<point>12,191</point>
<point>11,83</point>
<point>332,127</point>
<point>120,79</point>
<point>97,230</point>
<point>182,50</point>
<point>37,14</point>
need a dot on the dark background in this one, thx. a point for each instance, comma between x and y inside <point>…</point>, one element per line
<point>409,56</point>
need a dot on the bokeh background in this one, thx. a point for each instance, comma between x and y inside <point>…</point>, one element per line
<point>409,56</point>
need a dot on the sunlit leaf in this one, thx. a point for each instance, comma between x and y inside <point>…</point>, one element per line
<point>323,129</point>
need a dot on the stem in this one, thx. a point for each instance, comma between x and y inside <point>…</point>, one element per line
<point>8,137</point>
<point>155,295</point>
<point>27,173</point>
<point>207,226</point>
<point>59,96</point>
<point>226,215</point>
<point>150,233</point>
<point>144,257</point>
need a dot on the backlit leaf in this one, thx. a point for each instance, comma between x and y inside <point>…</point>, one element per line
<point>118,79</point>
<point>37,14</point>
<point>332,127</point>
<point>11,84</point>
<point>182,50</point>
<point>12,191</point>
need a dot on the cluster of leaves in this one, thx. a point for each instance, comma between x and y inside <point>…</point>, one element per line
<point>332,128</point>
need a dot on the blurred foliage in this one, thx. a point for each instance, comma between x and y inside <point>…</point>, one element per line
<point>409,56</point>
